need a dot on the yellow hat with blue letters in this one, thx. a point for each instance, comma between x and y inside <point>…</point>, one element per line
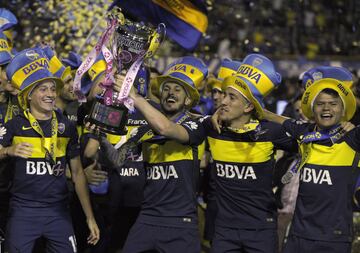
<point>188,71</point>
<point>56,67</point>
<point>255,79</point>
<point>227,68</point>
<point>5,50</point>
<point>28,68</point>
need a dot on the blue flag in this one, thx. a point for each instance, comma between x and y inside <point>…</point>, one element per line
<point>185,20</point>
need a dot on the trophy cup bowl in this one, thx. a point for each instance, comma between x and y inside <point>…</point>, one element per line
<point>129,42</point>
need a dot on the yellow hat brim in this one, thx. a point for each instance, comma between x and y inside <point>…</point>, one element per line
<point>214,83</point>
<point>67,72</point>
<point>239,85</point>
<point>345,93</point>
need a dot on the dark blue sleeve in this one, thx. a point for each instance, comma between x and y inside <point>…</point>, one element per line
<point>352,138</point>
<point>296,129</point>
<point>282,139</point>
<point>73,147</point>
<point>7,132</point>
<point>195,130</point>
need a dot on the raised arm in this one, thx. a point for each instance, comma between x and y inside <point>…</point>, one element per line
<point>270,116</point>
<point>158,121</point>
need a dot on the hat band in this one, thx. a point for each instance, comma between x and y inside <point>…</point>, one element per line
<point>346,83</point>
<point>225,72</point>
<point>97,68</point>
<point>29,69</point>
<point>189,71</point>
<point>4,46</point>
<point>56,67</point>
<point>257,78</point>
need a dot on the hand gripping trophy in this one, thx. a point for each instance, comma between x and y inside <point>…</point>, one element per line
<point>130,44</point>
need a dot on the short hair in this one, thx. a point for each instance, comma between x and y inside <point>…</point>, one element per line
<point>331,92</point>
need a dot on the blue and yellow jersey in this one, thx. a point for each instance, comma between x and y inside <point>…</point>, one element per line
<point>244,163</point>
<point>324,204</point>
<point>36,191</point>
<point>172,172</point>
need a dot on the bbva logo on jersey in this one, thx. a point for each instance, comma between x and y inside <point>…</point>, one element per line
<point>234,171</point>
<point>316,176</point>
<point>161,172</point>
<point>39,168</point>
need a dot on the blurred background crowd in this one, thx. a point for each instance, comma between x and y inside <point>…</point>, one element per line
<point>325,29</point>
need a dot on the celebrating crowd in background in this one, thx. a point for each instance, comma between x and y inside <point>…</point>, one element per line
<point>223,146</point>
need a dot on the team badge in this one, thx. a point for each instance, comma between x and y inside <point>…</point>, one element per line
<point>317,76</point>
<point>32,55</point>
<point>257,62</point>
<point>61,128</point>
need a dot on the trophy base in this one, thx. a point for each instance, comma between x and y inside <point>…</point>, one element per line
<point>110,119</point>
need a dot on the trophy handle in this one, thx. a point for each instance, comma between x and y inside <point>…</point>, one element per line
<point>156,39</point>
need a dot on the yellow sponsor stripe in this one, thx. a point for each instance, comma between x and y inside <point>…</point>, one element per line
<point>171,151</point>
<point>240,152</point>
<point>38,150</point>
<point>257,78</point>
<point>186,11</point>
<point>324,155</point>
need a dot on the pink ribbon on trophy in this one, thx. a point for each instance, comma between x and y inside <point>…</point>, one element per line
<point>90,59</point>
<point>123,96</point>
<point>109,78</point>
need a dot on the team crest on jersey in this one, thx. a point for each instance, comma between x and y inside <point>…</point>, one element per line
<point>258,132</point>
<point>2,131</point>
<point>61,128</point>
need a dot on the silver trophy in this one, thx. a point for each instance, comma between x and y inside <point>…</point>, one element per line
<point>129,42</point>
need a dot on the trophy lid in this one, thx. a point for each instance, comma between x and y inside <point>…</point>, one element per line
<point>135,30</point>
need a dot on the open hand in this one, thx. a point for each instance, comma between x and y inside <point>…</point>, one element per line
<point>94,175</point>
<point>94,236</point>
<point>23,150</point>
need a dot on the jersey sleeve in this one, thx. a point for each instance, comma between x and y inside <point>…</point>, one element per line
<point>195,130</point>
<point>296,128</point>
<point>352,138</point>
<point>283,140</point>
<point>7,132</point>
<point>73,147</point>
